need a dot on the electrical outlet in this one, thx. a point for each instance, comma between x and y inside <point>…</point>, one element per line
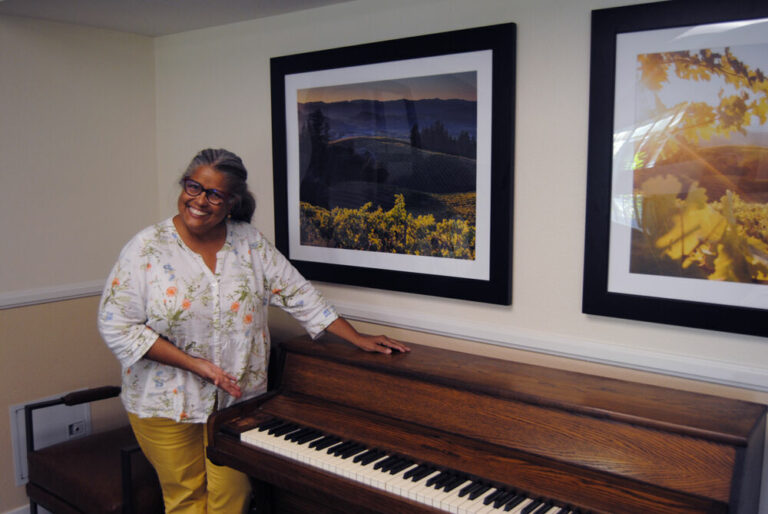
<point>75,429</point>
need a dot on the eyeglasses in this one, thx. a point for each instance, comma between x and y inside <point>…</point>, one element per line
<point>194,188</point>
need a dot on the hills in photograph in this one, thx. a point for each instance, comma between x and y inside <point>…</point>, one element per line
<point>393,118</point>
<point>394,176</point>
<point>423,146</point>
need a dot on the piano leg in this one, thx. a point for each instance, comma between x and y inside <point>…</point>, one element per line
<point>262,497</point>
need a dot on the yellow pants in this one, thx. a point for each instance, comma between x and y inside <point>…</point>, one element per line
<point>191,483</point>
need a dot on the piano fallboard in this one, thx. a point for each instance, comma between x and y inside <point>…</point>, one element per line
<point>591,443</point>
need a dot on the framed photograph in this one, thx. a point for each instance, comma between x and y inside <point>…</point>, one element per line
<point>393,163</point>
<point>677,194</point>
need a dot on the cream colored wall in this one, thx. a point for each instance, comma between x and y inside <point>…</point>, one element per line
<point>77,150</point>
<point>77,168</point>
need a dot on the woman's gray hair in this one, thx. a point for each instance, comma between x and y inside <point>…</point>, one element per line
<point>233,168</point>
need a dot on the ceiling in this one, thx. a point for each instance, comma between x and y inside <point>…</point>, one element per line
<point>154,17</point>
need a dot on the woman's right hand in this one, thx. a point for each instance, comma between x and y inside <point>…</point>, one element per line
<point>217,376</point>
<point>164,351</point>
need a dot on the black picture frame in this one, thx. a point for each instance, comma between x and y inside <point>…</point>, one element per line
<point>498,42</point>
<point>688,309</point>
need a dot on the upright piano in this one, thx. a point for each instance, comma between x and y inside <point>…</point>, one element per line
<point>345,431</point>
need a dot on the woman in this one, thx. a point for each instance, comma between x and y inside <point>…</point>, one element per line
<point>185,312</point>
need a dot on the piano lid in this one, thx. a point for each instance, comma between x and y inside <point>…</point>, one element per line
<point>706,416</point>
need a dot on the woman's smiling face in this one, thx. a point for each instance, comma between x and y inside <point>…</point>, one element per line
<point>196,213</point>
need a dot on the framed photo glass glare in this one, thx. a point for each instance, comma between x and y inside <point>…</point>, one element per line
<point>396,172</point>
<point>690,168</point>
<point>686,191</point>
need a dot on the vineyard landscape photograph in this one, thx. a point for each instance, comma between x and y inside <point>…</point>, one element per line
<point>390,166</point>
<point>700,172</point>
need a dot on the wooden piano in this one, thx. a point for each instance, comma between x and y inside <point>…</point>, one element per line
<point>568,441</point>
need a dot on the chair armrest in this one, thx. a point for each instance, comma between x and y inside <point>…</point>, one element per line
<point>90,395</point>
<point>73,398</point>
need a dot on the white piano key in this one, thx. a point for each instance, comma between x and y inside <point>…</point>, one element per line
<point>347,467</point>
<point>433,496</point>
<point>495,493</point>
<point>420,487</point>
<point>519,508</point>
<point>368,474</point>
<point>389,482</point>
<point>398,483</point>
<point>395,483</point>
<point>473,506</point>
<point>317,458</point>
<point>452,500</point>
<point>410,490</point>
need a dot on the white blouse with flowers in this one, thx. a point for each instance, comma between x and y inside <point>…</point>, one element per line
<point>159,287</point>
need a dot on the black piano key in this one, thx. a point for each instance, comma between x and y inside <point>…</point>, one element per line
<point>488,499</point>
<point>339,448</point>
<point>270,423</point>
<point>384,462</point>
<point>372,457</point>
<point>436,481</point>
<point>469,488</point>
<point>285,425</point>
<point>390,463</point>
<point>543,508</point>
<point>531,507</point>
<point>284,429</point>
<point>447,478</point>
<point>309,437</point>
<point>404,463</point>
<point>325,442</point>
<point>423,473</point>
<point>364,456</point>
<point>274,427</point>
<point>293,436</point>
<point>456,482</point>
<point>442,476</point>
<point>413,471</point>
<point>514,502</point>
<point>352,450</point>
<point>482,490</point>
<point>503,499</point>
<point>400,465</point>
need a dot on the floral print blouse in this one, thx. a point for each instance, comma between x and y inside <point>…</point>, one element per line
<point>159,287</point>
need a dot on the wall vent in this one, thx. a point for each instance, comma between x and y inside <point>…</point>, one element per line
<point>52,425</point>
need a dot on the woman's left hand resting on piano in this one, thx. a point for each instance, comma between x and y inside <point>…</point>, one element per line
<point>369,343</point>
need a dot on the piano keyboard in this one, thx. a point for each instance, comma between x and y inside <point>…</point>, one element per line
<point>443,489</point>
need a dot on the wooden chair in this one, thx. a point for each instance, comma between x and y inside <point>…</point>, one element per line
<point>103,473</point>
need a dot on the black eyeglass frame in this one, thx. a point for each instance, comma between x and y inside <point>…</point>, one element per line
<point>225,197</point>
